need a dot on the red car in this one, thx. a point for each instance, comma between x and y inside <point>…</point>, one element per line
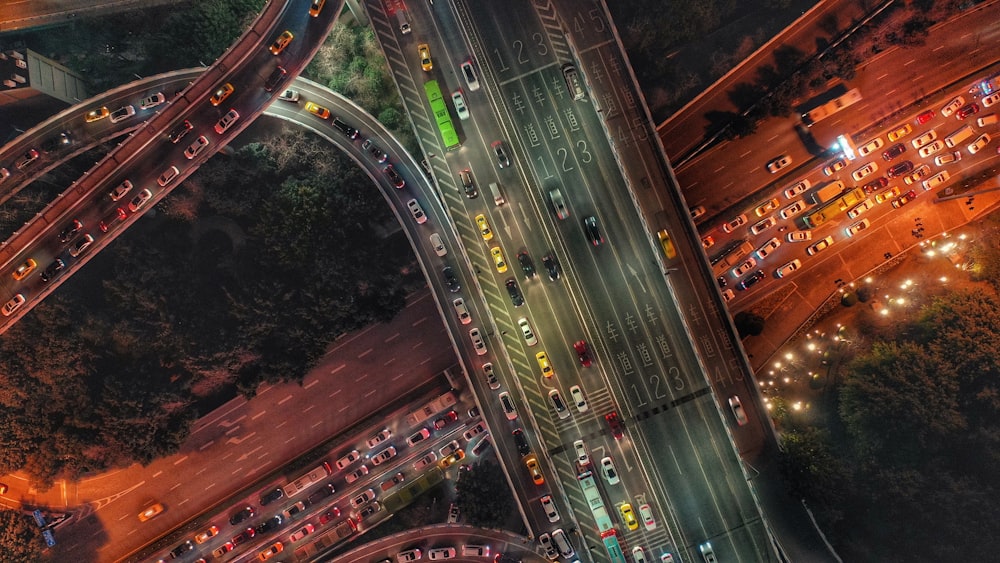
<point>581,351</point>
<point>616,425</point>
<point>445,420</point>
<point>925,117</point>
<point>245,536</point>
<point>967,111</point>
<point>877,184</point>
<point>330,515</point>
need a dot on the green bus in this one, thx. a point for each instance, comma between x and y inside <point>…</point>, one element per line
<point>441,115</point>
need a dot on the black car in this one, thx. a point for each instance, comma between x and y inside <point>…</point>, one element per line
<point>551,266</point>
<point>468,184</point>
<point>242,515</point>
<point>181,549</point>
<point>70,231</point>
<point>750,280</point>
<point>275,78</point>
<point>375,150</point>
<point>450,279</point>
<point>522,443</point>
<point>55,143</point>
<point>527,265</point>
<point>177,133</point>
<point>244,536</point>
<point>515,292</point>
<point>370,509</point>
<point>54,268</point>
<point>346,129</point>
<point>394,177</point>
<point>271,496</point>
<point>893,151</point>
<point>323,492</point>
<point>593,231</point>
<point>269,525</point>
<point>898,170</point>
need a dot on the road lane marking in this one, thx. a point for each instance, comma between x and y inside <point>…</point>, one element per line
<point>285,400</point>
<point>365,353</point>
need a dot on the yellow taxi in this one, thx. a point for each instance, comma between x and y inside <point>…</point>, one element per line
<point>96,114</point>
<point>886,195</point>
<point>531,462</point>
<point>544,365</point>
<point>498,259</point>
<point>221,94</point>
<point>668,245</point>
<point>425,57</point>
<point>281,42</point>
<point>897,134</point>
<point>629,516</point>
<point>151,512</point>
<point>318,110</point>
<point>24,269</point>
<point>449,460</point>
<point>317,6</point>
<point>484,227</point>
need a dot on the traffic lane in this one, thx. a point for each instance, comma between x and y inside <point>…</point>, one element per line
<point>445,535</point>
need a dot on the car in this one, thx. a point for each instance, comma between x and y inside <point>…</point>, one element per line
<point>788,268</point>
<point>152,101</point>
<point>244,536</point>
<point>766,207</point>
<point>988,101</point>
<point>321,493</point>
<point>379,437</point>
<point>523,448</point>
<point>281,42</point>
<point>551,266</point>
<point>593,231</point>
<point>317,110</point>
<point>886,195</point>
<point>966,111</point>
<point>470,75</point>
<point>819,246</point>
<point>351,133</point>
<point>667,244</point>
<point>394,177</point>
<point>120,190</point>
<point>475,430</point>
<point>181,549</point>
<point>763,225</point>
<point>441,553</point>
<point>122,113</point>
<point>195,148</point>
<point>864,171</point>
<point>168,176</point>
<point>71,230</point>
<point>221,94</point>
<point>535,470</point>
<point>462,311</point>
<point>925,117</point>
<point>453,513</point>
<point>59,141</point>
<point>395,480</point>
<point>750,280</point>
<point>899,132</point>
<point>834,166</point>
<point>418,436</point>
<point>893,151</point>
<point>484,227</point>
<point>778,163</point>
<point>646,514</point>
<point>792,209</point>
<point>917,174</point>
<point>301,533</point>
<point>82,244</point>
<point>460,108</point>
<point>948,158</point>
<point>558,204</point>
<point>24,269</point>
<point>562,410</point>
<point>358,473</point>
<point>507,402</point>
<point>330,515</point>
<point>13,304</point>
<point>924,139</point>
<point>226,121</point>
<point>549,508</point>
<point>139,200</point>
<point>151,511</point>
<point>876,184</point>
<point>29,157</point>
<point>860,208</point>
<point>545,541</point>
<point>527,265</point>
<point>444,421</point>
<point>54,268</point>
<point>529,336</point>
<point>348,459</point>
<point>416,211</point>
<point>271,496</point>
<point>468,184</point>
<point>276,548</point>
<point>617,430</point>
<point>477,341</point>
<point>455,457</point>
<point>491,377</point>
<point>424,51</point>
<point>503,161</point>
<point>667,558</point>
<point>543,364</point>
<point>384,455</point>
<point>931,148</point>
<point>376,151</point>
<point>4,174</point>
<point>899,169</point>
<point>857,227</point>
<point>294,509</point>
<point>979,143</point>
<point>749,264</point>
<point>498,259</point>
<point>269,525</point>
<point>735,223</point>
<point>409,555</point>
<point>799,236</point>
<point>797,188</point>
<point>609,471</point>
<point>904,199</point>
<point>578,399</point>
<point>952,106</point>
<point>96,114</point>
<point>582,353</point>
<point>628,516</point>
<point>316,7</point>
<point>638,554</point>
<point>697,212</point>
<point>582,457</point>
<point>707,242</point>
<point>223,549</point>
<point>768,247</point>
<point>178,132</point>
<point>870,147</point>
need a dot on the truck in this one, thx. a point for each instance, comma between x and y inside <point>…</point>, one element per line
<point>826,192</point>
<point>731,257</point>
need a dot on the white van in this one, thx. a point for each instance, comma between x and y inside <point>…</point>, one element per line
<point>958,136</point>
<point>936,180</point>
<point>987,120</point>
<point>562,543</point>
<point>498,198</point>
<point>404,23</point>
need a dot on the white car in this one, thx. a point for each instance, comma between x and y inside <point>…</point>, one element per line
<point>761,226</point>
<point>356,474</point>
<point>416,211</point>
<point>738,412</point>
<point>195,148</point>
<point>646,514</point>
<point>948,158</point>
<point>581,402</point>
<point>870,147</point>
<point>931,148</point>
<point>864,171</point>
<point>779,163</point>
<point>819,246</point>
<point>477,341</point>
<point>745,267</point>
<point>377,439</point>
<point>799,236</point>
<point>797,188</point>
<point>438,244</point>
<point>979,143</point>
<point>462,311</point>
<point>766,207</point>
<point>529,336</point>
<point>860,208</point>
<point>549,507</point>
<point>952,106</point>
<point>736,222</point>
<point>152,101</point>
<point>834,166</point>
<point>351,457</point>
<point>924,139</point>
<point>788,268</point>
<point>792,210</point>
<point>460,108</point>
<point>857,227</point>
<point>988,101</point>
<point>582,457</point>
<point>609,471</point>
<point>638,555</point>
<point>768,247</point>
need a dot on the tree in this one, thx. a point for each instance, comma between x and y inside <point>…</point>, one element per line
<point>813,470</point>
<point>20,538</point>
<point>483,495</point>
<point>748,324</point>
